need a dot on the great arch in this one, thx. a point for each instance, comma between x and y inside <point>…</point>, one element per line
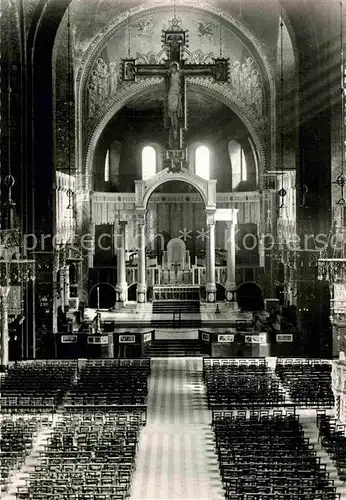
<point>261,126</point>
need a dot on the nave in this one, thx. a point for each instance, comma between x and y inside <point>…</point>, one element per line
<point>176,454</point>
<point>165,428</point>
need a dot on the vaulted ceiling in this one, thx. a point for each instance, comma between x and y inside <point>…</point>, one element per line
<point>200,106</point>
<point>145,115</point>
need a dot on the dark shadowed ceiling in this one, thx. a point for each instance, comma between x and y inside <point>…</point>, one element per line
<point>200,106</point>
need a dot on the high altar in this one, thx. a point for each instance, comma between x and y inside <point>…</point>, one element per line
<point>176,275</point>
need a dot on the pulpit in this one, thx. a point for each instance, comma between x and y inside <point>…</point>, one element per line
<point>339,387</point>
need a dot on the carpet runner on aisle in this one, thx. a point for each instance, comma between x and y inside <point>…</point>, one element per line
<point>176,456</point>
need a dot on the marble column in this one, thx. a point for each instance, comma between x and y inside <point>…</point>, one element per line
<point>4,291</point>
<point>230,247</point>
<point>141,284</point>
<point>85,236</point>
<point>211,285</point>
<point>91,246</point>
<point>121,287</point>
<point>56,291</point>
<point>126,240</point>
<point>261,251</point>
<point>66,284</point>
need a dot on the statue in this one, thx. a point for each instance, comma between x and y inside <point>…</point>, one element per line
<point>97,323</point>
<point>235,77</point>
<point>254,82</point>
<point>113,80</point>
<point>103,75</point>
<point>94,81</point>
<point>129,70</point>
<point>92,98</point>
<point>258,99</point>
<point>174,99</point>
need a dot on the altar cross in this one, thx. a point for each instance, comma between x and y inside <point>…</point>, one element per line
<point>175,70</point>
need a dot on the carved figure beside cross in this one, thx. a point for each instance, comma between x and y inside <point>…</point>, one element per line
<point>175,70</point>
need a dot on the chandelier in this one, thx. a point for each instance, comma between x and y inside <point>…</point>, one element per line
<point>15,268</point>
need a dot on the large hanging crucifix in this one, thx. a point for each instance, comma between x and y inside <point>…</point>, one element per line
<point>175,70</point>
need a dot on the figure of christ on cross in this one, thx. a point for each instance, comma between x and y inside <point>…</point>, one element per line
<point>175,91</point>
<point>175,108</point>
<point>175,70</point>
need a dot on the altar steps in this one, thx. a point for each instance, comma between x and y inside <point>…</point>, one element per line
<point>170,323</point>
<point>175,348</point>
<point>170,306</point>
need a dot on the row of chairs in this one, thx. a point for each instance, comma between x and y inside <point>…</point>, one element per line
<point>37,384</point>
<point>250,389</point>
<point>110,385</point>
<point>333,438</point>
<point>308,385</point>
<point>253,384</point>
<point>230,381</point>
<point>239,363</point>
<point>16,437</point>
<point>269,458</point>
<point>42,386</point>
<point>89,456</point>
<point>252,413</point>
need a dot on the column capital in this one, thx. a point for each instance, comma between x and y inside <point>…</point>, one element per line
<point>140,211</point>
<point>141,216</point>
<point>210,218</point>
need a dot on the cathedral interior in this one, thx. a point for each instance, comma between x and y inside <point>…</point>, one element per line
<point>172,249</point>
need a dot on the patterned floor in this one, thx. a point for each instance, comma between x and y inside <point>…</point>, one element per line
<point>176,457</point>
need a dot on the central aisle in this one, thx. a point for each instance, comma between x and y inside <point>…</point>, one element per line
<point>176,457</point>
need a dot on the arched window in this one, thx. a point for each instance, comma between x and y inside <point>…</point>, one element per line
<point>148,162</point>
<point>238,163</point>
<point>202,162</point>
<point>107,166</point>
